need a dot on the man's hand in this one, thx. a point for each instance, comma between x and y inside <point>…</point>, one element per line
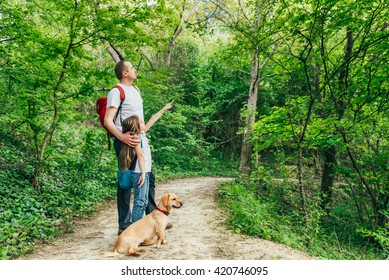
<point>130,139</point>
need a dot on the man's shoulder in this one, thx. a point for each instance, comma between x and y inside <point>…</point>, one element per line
<point>115,89</point>
<point>128,88</point>
<point>118,88</point>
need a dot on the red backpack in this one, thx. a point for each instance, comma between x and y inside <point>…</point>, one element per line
<point>101,107</point>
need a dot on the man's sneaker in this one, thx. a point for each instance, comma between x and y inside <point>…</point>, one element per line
<point>169,226</point>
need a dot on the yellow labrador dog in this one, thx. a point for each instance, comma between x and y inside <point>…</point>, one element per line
<point>148,227</point>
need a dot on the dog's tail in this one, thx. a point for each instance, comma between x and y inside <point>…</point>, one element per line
<point>111,254</point>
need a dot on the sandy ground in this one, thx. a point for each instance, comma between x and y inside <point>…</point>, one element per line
<point>199,232</point>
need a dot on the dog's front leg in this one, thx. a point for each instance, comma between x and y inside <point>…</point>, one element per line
<point>161,238</point>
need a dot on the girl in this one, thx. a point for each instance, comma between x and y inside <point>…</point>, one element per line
<point>144,194</point>
<point>140,175</point>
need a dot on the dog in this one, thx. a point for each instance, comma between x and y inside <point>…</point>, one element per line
<point>147,228</point>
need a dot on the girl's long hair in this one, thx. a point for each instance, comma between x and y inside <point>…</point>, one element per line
<point>126,153</point>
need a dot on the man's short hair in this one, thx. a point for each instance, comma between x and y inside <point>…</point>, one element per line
<point>119,68</point>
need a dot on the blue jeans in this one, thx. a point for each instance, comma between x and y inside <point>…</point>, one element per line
<point>140,196</point>
<point>151,205</point>
<point>123,206</point>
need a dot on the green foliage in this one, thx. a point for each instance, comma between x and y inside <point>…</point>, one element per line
<point>250,212</point>
<point>271,211</point>
<point>272,131</point>
<point>323,84</point>
<point>380,235</point>
<point>332,100</point>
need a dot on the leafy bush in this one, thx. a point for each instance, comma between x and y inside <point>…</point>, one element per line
<point>29,215</point>
<point>379,235</point>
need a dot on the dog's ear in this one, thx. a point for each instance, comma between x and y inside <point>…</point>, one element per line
<point>165,200</point>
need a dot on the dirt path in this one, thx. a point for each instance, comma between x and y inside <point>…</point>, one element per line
<point>199,232</point>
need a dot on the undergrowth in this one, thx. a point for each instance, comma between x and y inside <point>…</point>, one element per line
<point>28,216</point>
<point>270,211</point>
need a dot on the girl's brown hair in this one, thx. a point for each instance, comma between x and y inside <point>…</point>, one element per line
<point>126,153</point>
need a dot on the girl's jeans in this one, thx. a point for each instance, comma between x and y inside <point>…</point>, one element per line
<point>140,196</point>
<point>123,197</point>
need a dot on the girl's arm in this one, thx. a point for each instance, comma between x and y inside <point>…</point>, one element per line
<point>141,160</point>
<point>156,116</point>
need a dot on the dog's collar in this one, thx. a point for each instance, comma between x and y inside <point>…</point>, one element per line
<point>163,211</point>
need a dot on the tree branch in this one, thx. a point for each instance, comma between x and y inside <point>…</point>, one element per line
<point>115,53</point>
<point>149,60</point>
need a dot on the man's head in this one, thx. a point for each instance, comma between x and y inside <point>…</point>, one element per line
<point>124,69</point>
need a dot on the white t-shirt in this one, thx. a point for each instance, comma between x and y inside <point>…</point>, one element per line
<point>132,104</point>
<point>146,153</point>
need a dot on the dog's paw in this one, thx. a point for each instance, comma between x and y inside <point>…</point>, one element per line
<point>134,252</point>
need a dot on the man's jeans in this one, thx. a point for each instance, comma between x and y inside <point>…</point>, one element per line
<point>151,200</point>
<point>124,210</point>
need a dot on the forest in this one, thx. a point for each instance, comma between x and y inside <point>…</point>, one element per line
<point>290,98</point>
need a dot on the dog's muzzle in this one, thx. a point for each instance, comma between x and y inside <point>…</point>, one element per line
<point>175,206</point>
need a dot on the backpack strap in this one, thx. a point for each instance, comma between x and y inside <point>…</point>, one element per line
<point>122,93</point>
<point>122,97</point>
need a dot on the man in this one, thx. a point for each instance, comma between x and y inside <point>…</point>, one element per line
<point>132,105</point>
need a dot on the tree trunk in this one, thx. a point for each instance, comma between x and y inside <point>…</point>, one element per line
<point>327,180</point>
<point>329,170</point>
<point>343,100</point>
<point>252,108</point>
<point>172,41</point>
<point>300,181</point>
